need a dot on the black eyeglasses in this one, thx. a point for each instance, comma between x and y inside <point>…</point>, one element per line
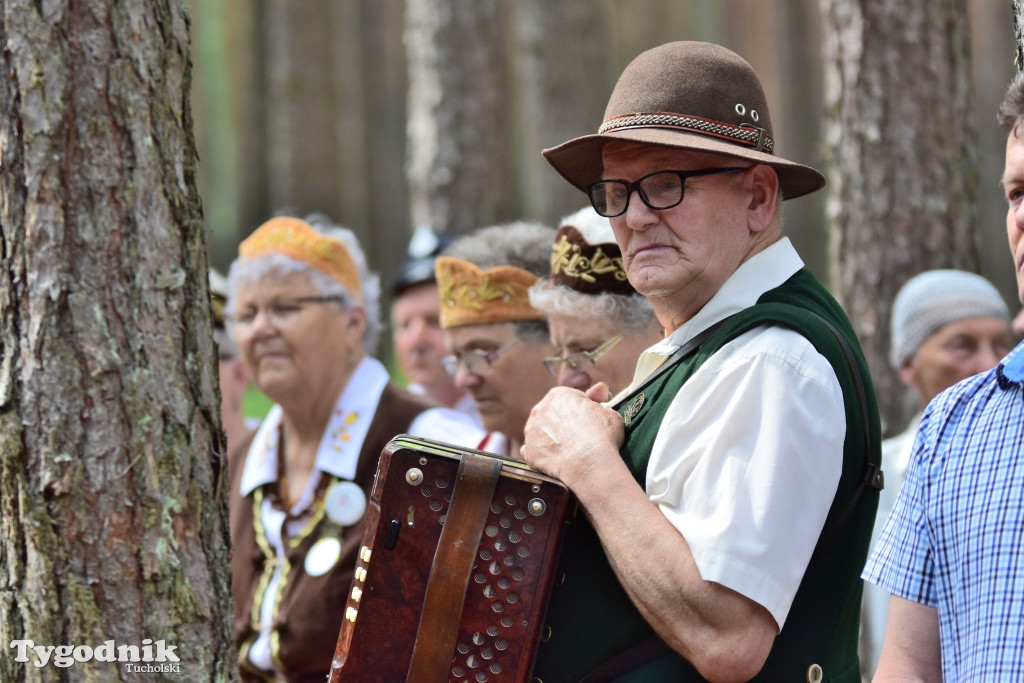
<point>659,190</point>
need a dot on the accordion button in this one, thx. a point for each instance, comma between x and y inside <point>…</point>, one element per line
<point>360,574</point>
<point>357,593</point>
<point>351,613</point>
<point>364,554</point>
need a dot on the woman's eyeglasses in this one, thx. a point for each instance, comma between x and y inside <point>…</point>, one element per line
<point>575,360</point>
<point>476,361</point>
<point>278,314</point>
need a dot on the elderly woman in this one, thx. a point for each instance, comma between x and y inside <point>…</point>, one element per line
<point>304,311</point>
<point>599,323</point>
<point>498,341</point>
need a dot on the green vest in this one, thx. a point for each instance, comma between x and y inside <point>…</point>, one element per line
<point>590,618</point>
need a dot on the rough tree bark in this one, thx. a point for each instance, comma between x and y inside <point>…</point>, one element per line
<point>457,118</point>
<point>1018,32</point>
<point>902,169</point>
<point>114,523</point>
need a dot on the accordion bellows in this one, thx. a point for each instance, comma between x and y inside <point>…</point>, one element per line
<point>502,549</point>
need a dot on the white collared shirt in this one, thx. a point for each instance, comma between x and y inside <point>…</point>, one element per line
<point>749,455</point>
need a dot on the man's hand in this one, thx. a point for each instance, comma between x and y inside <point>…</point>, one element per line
<point>569,433</point>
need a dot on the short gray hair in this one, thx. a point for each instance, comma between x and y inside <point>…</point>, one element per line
<point>1011,110</point>
<point>521,244</point>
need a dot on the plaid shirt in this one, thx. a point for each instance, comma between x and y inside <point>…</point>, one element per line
<point>955,539</point>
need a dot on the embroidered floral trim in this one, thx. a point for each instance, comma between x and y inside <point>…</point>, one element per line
<point>475,296</point>
<point>341,432</point>
<point>567,258</point>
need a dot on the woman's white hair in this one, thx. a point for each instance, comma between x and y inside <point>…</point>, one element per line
<point>629,313</point>
<point>594,227</point>
<point>254,269</point>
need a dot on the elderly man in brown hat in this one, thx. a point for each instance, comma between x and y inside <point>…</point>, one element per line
<point>729,492</point>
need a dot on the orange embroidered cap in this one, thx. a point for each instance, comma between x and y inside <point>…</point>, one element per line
<point>297,239</point>
<point>471,296</point>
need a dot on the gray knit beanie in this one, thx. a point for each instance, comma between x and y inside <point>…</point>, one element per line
<point>936,298</point>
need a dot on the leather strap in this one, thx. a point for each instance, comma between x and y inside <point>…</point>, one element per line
<point>678,356</point>
<point>871,474</point>
<point>453,563</point>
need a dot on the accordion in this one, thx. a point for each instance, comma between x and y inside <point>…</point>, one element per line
<point>455,570</point>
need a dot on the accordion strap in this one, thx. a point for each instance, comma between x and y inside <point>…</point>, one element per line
<point>453,563</point>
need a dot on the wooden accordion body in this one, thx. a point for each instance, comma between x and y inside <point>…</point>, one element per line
<point>454,577</point>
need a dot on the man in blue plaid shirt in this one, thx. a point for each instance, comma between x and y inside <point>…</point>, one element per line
<point>952,552</point>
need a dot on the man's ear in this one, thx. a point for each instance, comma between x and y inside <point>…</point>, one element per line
<point>764,194</point>
<point>908,374</point>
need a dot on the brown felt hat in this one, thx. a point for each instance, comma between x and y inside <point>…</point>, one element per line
<point>686,95</point>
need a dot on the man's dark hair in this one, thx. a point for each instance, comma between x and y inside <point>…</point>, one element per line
<point>1012,109</point>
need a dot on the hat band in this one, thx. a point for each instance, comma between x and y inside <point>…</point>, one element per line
<point>744,134</point>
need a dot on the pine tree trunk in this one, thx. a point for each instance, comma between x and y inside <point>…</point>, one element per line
<point>114,523</point>
<point>457,118</point>
<point>1018,32</point>
<point>562,86</point>
<point>900,139</point>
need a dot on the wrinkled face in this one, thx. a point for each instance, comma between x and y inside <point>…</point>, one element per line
<point>418,337</point>
<point>572,335</point>
<point>506,388</point>
<point>955,352</point>
<point>686,252</point>
<point>295,350</point>
<point>1013,188</point>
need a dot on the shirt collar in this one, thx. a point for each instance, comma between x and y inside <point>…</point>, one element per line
<point>342,440</point>
<point>1012,367</point>
<point>763,271</point>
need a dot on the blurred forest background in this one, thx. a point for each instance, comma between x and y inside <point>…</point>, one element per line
<point>387,114</point>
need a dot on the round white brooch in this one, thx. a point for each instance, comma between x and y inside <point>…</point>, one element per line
<point>345,503</point>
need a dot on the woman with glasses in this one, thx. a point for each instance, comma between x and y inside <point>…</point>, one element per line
<point>496,339</point>
<point>305,313</point>
<point>598,322</point>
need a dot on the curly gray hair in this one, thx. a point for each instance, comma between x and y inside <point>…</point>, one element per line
<point>253,269</point>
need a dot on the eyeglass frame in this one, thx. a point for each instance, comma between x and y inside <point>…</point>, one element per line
<point>636,186</point>
<point>574,359</point>
<point>452,363</point>
<point>297,302</point>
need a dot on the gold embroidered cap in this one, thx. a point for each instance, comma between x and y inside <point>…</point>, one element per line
<point>297,239</point>
<point>587,268</point>
<point>471,296</point>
